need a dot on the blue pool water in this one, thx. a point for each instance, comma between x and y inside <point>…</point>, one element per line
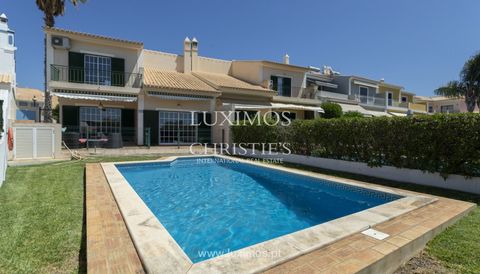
<point>218,206</point>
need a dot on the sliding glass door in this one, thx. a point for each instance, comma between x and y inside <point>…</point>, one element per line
<point>97,123</point>
<point>176,127</point>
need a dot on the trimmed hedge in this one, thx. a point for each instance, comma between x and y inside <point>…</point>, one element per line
<point>331,110</point>
<point>445,143</point>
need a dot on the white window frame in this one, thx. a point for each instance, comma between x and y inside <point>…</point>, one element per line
<point>102,71</point>
<point>389,101</point>
<point>360,93</point>
<point>447,106</point>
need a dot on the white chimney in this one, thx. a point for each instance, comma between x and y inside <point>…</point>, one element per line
<point>7,48</point>
<point>187,55</point>
<point>3,22</point>
<point>194,54</point>
<point>327,70</point>
<point>286,59</point>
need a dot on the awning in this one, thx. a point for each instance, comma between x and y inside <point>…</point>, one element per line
<point>181,97</point>
<point>378,113</point>
<point>278,106</point>
<point>95,97</point>
<point>245,106</point>
<point>397,114</point>
<point>357,108</point>
<point>297,107</point>
<point>362,83</point>
<point>325,84</point>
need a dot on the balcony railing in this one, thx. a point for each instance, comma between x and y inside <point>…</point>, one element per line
<point>95,77</point>
<point>370,100</point>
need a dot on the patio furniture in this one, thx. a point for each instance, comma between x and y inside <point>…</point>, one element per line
<point>114,140</point>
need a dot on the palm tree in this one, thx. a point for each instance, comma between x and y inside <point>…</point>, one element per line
<point>50,9</point>
<point>468,86</point>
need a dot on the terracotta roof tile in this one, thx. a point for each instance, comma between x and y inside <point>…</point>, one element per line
<point>94,36</point>
<point>227,81</point>
<point>26,94</point>
<point>174,80</point>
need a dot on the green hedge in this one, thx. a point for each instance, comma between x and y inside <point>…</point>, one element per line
<point>448,143</point>
<point>331,110</point>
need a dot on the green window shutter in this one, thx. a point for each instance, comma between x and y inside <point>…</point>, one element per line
<point>204,130</point>
<point>1,116</point>
<point>118,72</point>
<point>274,80</point>
<point>76,67</point>
<point>71,118</point>
<point>287,87</point>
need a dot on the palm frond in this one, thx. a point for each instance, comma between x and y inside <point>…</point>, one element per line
<point>471,70</point>
<point>452,89</point>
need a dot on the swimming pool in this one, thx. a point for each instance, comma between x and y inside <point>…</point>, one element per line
<point>213,206</point>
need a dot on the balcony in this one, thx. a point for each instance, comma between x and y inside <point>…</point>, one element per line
<point>371,101</point>
<point>417,107</point>
<point>98,78</point>
<point>382,102</point>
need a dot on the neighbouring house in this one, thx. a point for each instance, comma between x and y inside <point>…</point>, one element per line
<point>442,104</point>
<point>29,103</point>
<point>115,90</point>
<point>7,88</point>
<point>367,96</point>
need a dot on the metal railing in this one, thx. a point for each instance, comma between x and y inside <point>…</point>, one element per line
<point>97,77</point>
<point>370,100</point>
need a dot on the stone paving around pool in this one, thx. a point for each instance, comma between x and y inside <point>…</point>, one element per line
<point>111,250</point>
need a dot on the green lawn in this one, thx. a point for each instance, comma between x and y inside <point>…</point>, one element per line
<point>458,247</point>
<point>41,220</point>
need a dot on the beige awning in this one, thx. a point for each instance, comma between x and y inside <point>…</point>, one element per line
<point>357,108</point>
<point>95,97</point>
<point>297,107</point>
<point>278,106</point>
<point>378,113</point>
<point>397,114</point>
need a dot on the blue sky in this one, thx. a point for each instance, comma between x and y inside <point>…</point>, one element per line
<point>417,44</point>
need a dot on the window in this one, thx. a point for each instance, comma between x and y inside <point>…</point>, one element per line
<point>176,127</point>
<point>282,84</point>
<point>389,98</point>
<point>242,114</point>
<point>363,95</point>
<point>404,99</point>
<point>286,115</point>
<point>1,116</point>
<point>10,40</point>
<point>430,109</point>
<point>98,70</point>
<point>447,109</point>
<point>96,123</point>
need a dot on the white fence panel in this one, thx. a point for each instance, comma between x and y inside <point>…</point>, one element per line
<point>24,143</point>
<point>34,142</point>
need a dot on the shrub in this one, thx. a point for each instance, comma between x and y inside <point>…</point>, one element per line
<point>445,143</point>
<point>352,114</point>
<point>332,110</point>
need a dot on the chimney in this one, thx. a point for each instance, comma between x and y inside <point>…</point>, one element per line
<point>286,59</point>
<point>187,55</point>
<point>3,22</point>
<point>194,54</point>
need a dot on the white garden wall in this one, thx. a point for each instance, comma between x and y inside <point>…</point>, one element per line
<point>414,176</point>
